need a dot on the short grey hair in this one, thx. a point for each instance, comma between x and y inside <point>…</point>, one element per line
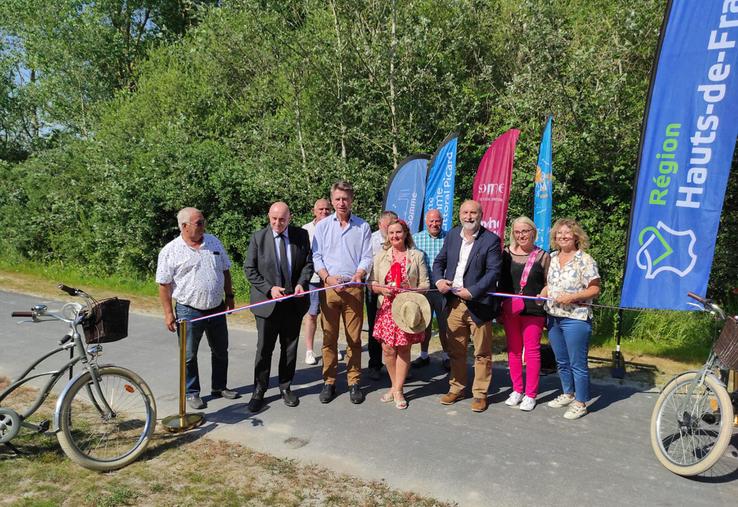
<point>344,186</point>
<point>388,214</point>
<point>185,214</point>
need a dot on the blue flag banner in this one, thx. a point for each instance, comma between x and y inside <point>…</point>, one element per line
<point>406,191</point>
<point>544,189</point>
<point>689,135</point>
<point>439,191</point>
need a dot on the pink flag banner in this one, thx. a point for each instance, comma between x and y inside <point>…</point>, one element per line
<point>492,182</point>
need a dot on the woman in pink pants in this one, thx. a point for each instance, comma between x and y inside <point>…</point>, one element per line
<point>524,271</point>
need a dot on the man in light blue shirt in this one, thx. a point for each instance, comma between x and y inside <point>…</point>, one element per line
<point>430,242</point>
<point>342,253</point>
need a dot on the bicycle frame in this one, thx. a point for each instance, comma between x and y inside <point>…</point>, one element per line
<point>72,342</point>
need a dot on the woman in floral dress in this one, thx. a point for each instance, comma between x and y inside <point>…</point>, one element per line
<point>398,265</point>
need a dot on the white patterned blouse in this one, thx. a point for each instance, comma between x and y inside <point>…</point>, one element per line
<point>574,276</point>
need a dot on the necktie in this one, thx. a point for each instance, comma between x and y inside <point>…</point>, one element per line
<point>284,268</point>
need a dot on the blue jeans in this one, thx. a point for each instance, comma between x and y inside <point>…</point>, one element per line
<point>570,342</point>
<point>216,331</point>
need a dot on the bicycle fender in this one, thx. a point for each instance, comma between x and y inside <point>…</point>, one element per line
<point>672,379</point>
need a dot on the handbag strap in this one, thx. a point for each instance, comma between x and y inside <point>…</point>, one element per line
<point>528,266</point>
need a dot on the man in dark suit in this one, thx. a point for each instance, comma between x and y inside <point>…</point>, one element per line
<point>279,262</point>
<point>466,269</point>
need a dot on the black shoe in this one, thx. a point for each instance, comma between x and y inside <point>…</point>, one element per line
<point>328,393</point>
<point>195,402</point>
<point>420,362</point>
<point>225,393</point>
<point>290,399</point>
<point>256,402</point>
<point>375,373</point>
<point>355,394</point>
<point>446,364</point>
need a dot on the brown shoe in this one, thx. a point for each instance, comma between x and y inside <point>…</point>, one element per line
<point>451,398</point>
<point>479,404</point>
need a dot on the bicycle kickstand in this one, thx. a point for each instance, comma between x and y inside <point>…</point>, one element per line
<point>15,450</point>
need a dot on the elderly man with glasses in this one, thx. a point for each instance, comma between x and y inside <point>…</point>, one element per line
<point>194,270</point>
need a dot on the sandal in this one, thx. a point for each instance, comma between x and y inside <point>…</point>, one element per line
<point>387,397</point>
<point>400,403</point>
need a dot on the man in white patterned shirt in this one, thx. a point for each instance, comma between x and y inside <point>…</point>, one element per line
<point>194,270</point>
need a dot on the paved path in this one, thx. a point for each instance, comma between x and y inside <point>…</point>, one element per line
<point>500,457</point>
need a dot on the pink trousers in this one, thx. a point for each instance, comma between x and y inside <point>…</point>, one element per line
<point>524,331</point>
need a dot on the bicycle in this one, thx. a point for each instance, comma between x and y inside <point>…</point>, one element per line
<point>692,422</point>
<point>105,415</point>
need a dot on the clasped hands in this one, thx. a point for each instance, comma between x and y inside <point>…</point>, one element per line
<point>445,286</point>
<point>278,292</point>
<point>331,280</point>
<point>388,290</point>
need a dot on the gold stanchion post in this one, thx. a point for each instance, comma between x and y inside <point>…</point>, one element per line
<point>735,389</point>
<point>182,421</point>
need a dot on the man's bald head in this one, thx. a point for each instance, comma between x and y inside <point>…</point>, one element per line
<point>279,217</point>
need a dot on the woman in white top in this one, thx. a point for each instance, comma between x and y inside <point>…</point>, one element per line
<point>572,283</point>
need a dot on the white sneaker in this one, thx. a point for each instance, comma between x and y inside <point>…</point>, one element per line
<point>513,399</point>
<point>561,400</point>
<point>310,358</point>
<point>575,411</point>
<point>339,355</point>
<point>527,404</point>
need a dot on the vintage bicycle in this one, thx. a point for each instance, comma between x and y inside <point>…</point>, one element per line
<point>692,422</point>
<point>105,414</point>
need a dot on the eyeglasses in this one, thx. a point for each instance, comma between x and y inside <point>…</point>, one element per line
<point>524,232</point>
<point>199,223</point>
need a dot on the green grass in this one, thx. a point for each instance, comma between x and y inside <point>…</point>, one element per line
<point>173,472</point>
<point>677,335</point>
<point>77,276</point>
<point>81,277</point>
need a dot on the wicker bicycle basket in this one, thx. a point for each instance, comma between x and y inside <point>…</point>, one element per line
<point>726,346</point>
<point>107,321</point>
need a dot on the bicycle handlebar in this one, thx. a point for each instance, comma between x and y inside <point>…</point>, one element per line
<point>696,297</point>
<point>707,304</point>
<point>22,314</point>
<point>69,290</point>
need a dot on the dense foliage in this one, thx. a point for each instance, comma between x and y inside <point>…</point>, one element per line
<point>117,113</point>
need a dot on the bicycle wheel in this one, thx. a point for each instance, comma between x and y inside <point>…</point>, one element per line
<point>93,439</point>
<point>690,432</point>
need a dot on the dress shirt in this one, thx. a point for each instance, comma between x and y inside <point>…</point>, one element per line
<point>196,274</point>
<point>377,242</point>
<point>342,251</point>
<point>466,247</point>
<point>310,227</point>
<point>286,239</point>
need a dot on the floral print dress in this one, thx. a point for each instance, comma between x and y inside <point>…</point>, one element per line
<point>385,329</point>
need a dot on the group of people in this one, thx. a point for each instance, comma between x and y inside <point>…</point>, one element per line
<point>403,279</point>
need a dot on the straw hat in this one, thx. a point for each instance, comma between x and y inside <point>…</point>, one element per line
<point>411,312</point>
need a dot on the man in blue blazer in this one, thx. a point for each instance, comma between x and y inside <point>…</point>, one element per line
<point>466,269</point>
<point>279,262</point>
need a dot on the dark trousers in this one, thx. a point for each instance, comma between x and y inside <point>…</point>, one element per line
<point>375,348</point>
<point>283,324</point>
<point>216,331</point>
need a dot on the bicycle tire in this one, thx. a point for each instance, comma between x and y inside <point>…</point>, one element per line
<point>101,444</point>
<point>689,436</point>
